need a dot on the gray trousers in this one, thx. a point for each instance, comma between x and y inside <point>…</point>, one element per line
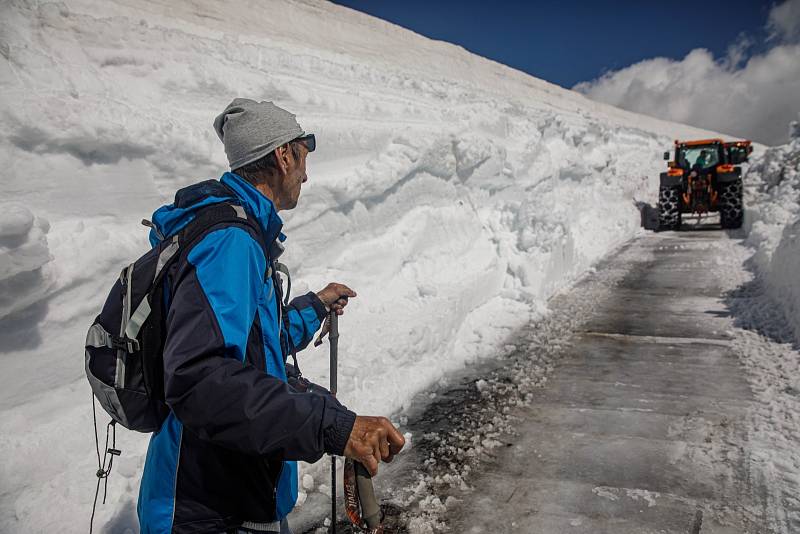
<point>283,528</point>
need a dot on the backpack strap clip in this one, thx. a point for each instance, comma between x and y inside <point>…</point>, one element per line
<point>124,343</point>
<point>98,337</point>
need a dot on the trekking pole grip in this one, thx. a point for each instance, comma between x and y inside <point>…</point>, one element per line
<point>370,509</point>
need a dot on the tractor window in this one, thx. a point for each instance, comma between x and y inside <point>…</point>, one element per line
<point>737,154</point>
<point>704,156</point>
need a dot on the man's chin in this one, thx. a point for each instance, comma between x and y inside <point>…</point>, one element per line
<point>292,204</point>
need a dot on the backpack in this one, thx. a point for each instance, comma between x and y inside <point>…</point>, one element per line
<point>124,345</point>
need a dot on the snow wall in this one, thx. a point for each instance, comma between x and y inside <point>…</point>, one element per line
<point>453,193</point>
<point>772,220</point>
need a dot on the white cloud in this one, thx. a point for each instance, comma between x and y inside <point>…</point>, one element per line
<point>783,21</point>
<point>756,98</point>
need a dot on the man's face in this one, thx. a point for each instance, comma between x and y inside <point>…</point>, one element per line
<point>295,176</point>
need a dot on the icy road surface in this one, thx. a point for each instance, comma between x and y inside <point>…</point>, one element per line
<point>658,397</point>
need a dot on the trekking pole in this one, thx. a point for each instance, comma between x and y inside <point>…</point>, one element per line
<point>333,336</point>
<point>361,504</point>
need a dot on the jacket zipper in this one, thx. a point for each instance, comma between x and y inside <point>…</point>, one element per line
<point>275,490</point>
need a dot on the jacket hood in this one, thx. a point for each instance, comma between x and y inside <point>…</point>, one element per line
<point>232,188</point>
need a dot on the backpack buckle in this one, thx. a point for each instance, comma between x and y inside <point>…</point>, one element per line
<point>124,343</point>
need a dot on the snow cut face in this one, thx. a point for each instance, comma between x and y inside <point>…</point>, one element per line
<point>772,218</point>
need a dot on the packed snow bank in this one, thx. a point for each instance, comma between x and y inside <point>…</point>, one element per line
<point>23,253</point>
<point>453,193</point>
<point>773,220</point>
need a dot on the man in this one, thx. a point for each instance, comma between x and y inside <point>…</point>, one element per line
<point>224,459</point>
<point>703,159</point>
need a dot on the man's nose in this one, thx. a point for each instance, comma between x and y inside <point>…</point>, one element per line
<point>305,178</point>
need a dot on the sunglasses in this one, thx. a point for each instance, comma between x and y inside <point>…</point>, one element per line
<point>309,141</point>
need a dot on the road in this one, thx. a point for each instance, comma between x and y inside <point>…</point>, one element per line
<point>655,397</point>
<point>643,424</point>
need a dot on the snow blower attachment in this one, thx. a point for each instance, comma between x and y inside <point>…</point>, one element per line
<point>703,177</point>
<point>361,506</point>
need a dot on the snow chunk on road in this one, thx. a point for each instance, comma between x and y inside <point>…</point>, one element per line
<point>606,492</point>
<point>644,495</point>
<point>613,494</point>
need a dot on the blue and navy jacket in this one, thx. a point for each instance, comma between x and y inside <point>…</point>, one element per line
<point>227,452</point>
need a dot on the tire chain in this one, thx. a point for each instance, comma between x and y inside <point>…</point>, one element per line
<point>731,210</point>
<point>669,216</point>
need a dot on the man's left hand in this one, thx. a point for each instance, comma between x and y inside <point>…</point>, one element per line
<point>335,296</point>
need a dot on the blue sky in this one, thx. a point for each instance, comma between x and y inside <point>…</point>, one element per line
<point>566,42</point>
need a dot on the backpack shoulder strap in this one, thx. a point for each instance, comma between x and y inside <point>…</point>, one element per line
<point>181,243</point>
<point>219,214</point>
<point>224,213</point>
<point>178,246</point>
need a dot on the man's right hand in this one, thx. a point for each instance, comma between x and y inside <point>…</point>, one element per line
<point>373,439</point>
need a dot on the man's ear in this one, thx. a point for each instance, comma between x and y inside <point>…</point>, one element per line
<point>282,156</point>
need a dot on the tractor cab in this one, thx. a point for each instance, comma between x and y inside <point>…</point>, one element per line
<point>708,154</point>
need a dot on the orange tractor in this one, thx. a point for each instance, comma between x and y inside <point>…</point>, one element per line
<point>703,177</point>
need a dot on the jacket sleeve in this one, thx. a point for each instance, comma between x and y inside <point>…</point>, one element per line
<point>305,315</point>
<point>208,384</point>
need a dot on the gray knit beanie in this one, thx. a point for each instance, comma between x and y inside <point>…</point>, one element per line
<point>250,130</point>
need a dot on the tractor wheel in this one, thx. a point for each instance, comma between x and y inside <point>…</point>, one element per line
<point>669,208</point>
<point>731,205</point>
